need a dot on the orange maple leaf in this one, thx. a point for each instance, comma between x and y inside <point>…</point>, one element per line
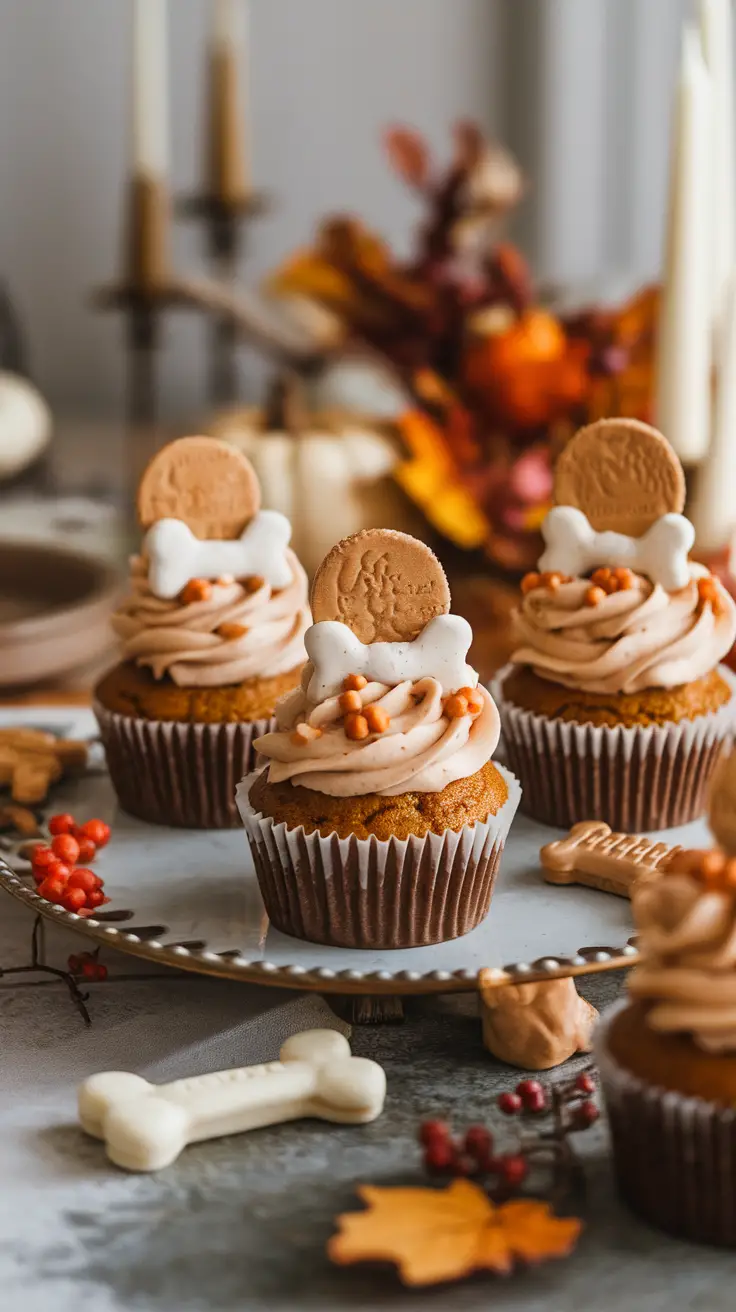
<point>435,1235</point>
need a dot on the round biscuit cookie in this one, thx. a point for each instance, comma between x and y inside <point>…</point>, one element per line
<point>622,474</point>
<point>208,484</point>
<point>384,585</point>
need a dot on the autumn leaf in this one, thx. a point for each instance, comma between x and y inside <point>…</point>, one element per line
<point>429,477</point>
<point>436,1235</point>
<point>408,154</point>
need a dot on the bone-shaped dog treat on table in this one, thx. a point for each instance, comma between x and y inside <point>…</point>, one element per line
<point>175,555</point>
<point>593,855</point>
<point>145,1126</point>
<point>574,547</point>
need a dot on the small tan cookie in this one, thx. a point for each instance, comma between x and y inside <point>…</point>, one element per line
<point>208,484</point>
<point>622,474</point>
<point>385,586</point>
<point>722,803</point>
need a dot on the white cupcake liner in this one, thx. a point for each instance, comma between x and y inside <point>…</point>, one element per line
<point>674,1155</point>
<point>635,779</point>
<point>184,775</point>
<point>371,893</point>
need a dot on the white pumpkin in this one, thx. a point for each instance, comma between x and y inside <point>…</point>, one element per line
<point>331,476</point>
<point>25,425</point>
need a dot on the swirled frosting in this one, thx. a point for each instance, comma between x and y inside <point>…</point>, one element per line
<point>199,644</point>
<point>643,637</point>
<point>421,750</point>
<point>688,944</point>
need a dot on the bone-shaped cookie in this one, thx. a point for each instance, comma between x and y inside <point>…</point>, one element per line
<point>439,651</point>
<point>145,1126</point>
<point>175,555</point>
<point>574,547</point>
<point>593,855</point>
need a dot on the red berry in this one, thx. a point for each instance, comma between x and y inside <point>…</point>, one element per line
<point>98,831</point>
<point>52,889</point>
<point>535,1102</point>
<point>439,1155</point>
<point>527,1088</point>
<point>464,1164</point>
<point>61,824</point>
<point>58,870</point>
<point>585,1083</point>
<point>87,880</point>
<point>43,856</point>
<point>586,1114</point>
<point>478,1142</point>
<point>73,899</point>
<point>509,1103</point>
<point>89,969</point>
<point>96,898</point>
<point>87,849</point>
<point>434,1132</point>
<point>66,848</point>
<point>101,971</point>
<point>513,1169</point>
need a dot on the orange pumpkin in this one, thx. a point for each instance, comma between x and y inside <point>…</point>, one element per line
<point>528,374</point>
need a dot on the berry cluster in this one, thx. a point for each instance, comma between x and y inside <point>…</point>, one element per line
<point>532,1097</point>
<point>56,870</point>
<point>85,965</point>
<point>471,1154</point>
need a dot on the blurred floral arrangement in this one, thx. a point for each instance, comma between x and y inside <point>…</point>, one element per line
<point>496,380</point>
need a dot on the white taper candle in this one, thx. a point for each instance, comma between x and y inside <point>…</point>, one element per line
<point>150,112</point>
<point>684,338</point>
<point>716,26</point>
<point>713,511</point>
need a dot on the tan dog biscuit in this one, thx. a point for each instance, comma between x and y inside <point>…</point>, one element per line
<point>385,586</point>
<point>208,484</point>
<point>32,760</point>
<point>593,855</point>
<point>622,474</point>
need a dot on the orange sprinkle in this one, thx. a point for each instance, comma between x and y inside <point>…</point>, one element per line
<point>304,733</point>
<point>356,727</point>
<point>552,581</point>
<point>354,682</point>
<point>594,596</point>
<point>195,590</point>
<point>601,576</point>
<point>350,701</point>
<point>729,873</point>
<point>225,580</point>
<point>231,631</point>
<point>709,594</point>
<point>624,577</point>
<point>253,583</point>
<point>455,706</point>
<point>712,865</point>
<point>530,582</point>
<point>377,719</point>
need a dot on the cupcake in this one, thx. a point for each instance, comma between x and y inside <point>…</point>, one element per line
<point>380,819</point>
<point>614,706</point>
<point>212,635</point>
<point>667,1056</point>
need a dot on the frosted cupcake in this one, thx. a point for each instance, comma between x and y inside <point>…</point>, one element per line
<point>615,706</point>
<point>668,1055</point>
<point>380,818</point>
<point>212,634</point>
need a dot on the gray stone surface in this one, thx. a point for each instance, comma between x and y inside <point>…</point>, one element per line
<point>242,1223</point>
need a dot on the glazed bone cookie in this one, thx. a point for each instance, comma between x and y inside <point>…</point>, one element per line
<point>622,474</point>
<point>207,484</point>
<point>383,585</point>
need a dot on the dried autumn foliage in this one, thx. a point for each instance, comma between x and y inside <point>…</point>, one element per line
<point>501,381</point>
<point>437,1235</point>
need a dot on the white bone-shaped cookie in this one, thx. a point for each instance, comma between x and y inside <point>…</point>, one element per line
<point>439,652</point>
<point>574,547</point>
<point>145,1126</point>
<point>175,555</point>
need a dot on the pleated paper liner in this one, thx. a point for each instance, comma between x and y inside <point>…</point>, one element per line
<point>371,893</point>
<point>183,775</point>
<point>635,779</point>
<point>674,1156</point>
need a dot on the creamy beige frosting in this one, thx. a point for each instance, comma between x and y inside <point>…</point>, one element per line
<point>688,943</point>
<point>181,639</point>
<point>643,637</point>
<point>422,750</point>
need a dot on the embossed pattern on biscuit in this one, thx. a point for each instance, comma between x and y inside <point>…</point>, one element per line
<point>207,484</point>
<point>383,585</point>
<point>622,474</point>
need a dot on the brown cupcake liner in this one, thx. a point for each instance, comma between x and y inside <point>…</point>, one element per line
<point>674,1156</point>
<point>179,774</point>
<point>635,779</point>
<point>370,893</point>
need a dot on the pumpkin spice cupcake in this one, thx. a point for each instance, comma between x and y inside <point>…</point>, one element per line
<point>380,819</point>
<point>667,1056</point>
<point>615,706</point>
<point>212,633</point>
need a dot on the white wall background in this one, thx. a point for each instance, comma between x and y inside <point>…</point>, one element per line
<point>580,88</point>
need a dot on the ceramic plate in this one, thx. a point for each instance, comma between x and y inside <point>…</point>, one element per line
<point>190,899</point>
